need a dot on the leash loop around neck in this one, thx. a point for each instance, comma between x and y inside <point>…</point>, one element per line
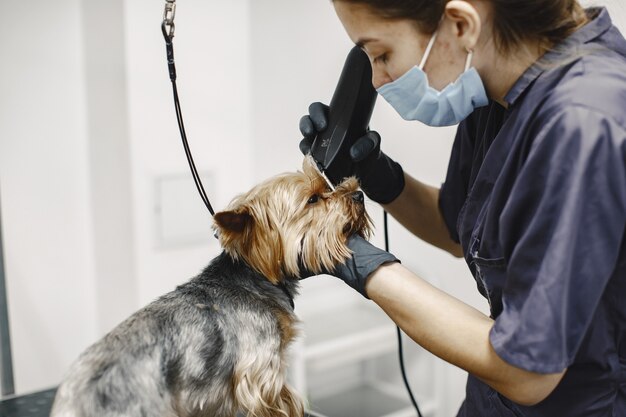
<point>168,27</point>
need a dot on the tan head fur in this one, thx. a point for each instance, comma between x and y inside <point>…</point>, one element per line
<point>291,222</point>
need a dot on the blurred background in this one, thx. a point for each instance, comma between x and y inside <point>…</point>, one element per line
<point>99,212</point>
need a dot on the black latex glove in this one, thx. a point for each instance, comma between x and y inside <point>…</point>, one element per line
<point>381,178</point>
<point>366,258</point>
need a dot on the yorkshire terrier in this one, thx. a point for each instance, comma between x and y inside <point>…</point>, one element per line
<point>216,345</point>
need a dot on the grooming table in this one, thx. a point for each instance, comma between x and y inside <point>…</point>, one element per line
<point>39,404</point>
<point>32,405</point>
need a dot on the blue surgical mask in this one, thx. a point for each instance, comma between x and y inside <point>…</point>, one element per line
<point>412,97</point>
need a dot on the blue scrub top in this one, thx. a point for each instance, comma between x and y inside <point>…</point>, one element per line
<point>536,195</point>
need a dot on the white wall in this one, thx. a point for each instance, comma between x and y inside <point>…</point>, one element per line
<point>109,161</point>
<point>44,174</point>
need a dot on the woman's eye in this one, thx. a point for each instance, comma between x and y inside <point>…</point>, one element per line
<point>314,199</point>
<point>381,59</point>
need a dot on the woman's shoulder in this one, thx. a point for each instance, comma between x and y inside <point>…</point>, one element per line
<point>595,82</point>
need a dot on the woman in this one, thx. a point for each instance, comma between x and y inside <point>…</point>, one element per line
<point>534,199</point>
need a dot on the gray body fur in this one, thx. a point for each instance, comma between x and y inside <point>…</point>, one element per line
<point>177,356</point>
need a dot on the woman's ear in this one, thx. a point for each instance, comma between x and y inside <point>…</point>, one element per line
<point>466,21</point>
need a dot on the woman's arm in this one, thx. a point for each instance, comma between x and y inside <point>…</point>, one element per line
<point>417,209</point>
<point>453,331</point>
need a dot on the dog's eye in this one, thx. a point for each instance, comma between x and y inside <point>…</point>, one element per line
<point>314,199</point>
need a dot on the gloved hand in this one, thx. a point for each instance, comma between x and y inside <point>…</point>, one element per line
<point>366,258</point>
<point>381,178</point>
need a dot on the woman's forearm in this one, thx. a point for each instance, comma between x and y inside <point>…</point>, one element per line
<point>453,331</point>
<point>417,209</point>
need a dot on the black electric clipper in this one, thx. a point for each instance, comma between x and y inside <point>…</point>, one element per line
<point>348,118</point>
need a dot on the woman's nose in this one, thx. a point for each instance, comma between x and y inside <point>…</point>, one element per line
<point>379,78</point>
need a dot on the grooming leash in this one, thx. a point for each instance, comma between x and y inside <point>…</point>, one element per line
<point>168,27</point>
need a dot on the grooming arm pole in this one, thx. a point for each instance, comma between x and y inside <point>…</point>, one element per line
<point>6,360</point>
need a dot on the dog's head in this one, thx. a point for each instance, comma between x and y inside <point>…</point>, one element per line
<point>293,222</point>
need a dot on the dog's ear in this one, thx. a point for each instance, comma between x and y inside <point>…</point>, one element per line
<point>233,221</point>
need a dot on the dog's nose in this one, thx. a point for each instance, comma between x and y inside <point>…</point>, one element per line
<point>357,196</point>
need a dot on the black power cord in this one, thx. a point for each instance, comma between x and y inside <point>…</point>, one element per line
<point>399,332</point>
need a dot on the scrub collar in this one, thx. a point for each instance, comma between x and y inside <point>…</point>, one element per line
<point>563,51</point>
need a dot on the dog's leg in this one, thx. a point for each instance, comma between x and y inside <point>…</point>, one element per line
<point>260,387</point>
<point>291,402</point>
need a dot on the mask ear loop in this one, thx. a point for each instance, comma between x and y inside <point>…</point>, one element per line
<point>468,61</point>
<point>431,42</point>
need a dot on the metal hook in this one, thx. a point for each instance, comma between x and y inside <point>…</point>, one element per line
<point>168,18</point>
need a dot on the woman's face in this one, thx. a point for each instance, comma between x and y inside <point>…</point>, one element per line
<point>395,46</point>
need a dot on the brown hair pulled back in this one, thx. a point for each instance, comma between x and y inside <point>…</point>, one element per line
<point>514,21</point>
